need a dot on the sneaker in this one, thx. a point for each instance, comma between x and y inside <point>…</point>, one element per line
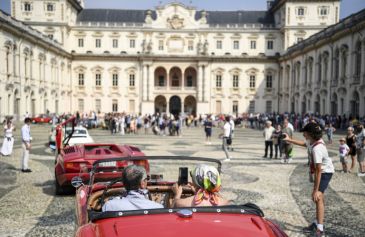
<point>227,159</point>
<point>318,233</point>
<point>361,174</point>
<point>289,160</point>
<point>310,229</point>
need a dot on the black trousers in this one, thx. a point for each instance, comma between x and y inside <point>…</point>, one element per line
<point>277,147</point>
<point>267,145</point>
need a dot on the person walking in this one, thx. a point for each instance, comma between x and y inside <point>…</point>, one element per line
<point>329,131</point>
<point>26,145</point>
<point>343,150</point>
<point>322,169</point>
<point>268,131</point>
<point>360,149</point>
<point>350,141</point>
<point>227,139</point>
<point>7,147</point>
<point>208,125</point>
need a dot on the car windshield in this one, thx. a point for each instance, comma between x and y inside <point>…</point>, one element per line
<point>76,132</point>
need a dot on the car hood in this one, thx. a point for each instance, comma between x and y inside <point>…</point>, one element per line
<point>167,225</point>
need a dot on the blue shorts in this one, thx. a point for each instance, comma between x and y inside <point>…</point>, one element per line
<point>325,180</point>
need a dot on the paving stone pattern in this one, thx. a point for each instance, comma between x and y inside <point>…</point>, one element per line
<point>29,207</point>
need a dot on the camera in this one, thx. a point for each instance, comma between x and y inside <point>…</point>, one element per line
<point>282,136</point>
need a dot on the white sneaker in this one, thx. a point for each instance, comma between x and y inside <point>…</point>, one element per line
<point>289,160</point>
<point>227,159</point>
<point>361,174</point>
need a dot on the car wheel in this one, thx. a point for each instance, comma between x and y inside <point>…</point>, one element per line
<point>58,188</point>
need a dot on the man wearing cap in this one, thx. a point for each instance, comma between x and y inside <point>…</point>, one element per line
<point>268,131</point>
<point>322,169</point>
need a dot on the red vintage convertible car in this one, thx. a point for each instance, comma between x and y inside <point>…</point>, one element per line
<point>221,221</point>
<point>42,118</point>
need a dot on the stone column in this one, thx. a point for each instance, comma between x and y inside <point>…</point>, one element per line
<point>200,83</point>
<point>151,83</point>
<point>144,82</point>
<point>182,80</point>
<point>182,106</point>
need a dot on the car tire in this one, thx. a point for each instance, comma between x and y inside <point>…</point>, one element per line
<point>59,190</point>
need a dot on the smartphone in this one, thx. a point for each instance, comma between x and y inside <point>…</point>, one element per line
<point>183,176</point>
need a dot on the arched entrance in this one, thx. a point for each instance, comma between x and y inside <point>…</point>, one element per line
<point>190,105</point>
<point>317,105</point>
<point>304,105</point>
<point>175,77</point>
<point>190,77</point>
<point>175,105</point>
<point>160,104</point>
<point>160,77</point>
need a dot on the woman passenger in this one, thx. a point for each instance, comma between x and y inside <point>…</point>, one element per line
<point>206,186</point>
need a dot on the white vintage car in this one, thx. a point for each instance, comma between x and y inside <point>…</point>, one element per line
<point>80,136</point>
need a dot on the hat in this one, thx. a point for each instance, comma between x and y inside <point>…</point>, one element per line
<point>311,128</point>
<point>342,139</point>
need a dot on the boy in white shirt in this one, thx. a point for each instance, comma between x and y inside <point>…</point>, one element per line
<point>343,150</point>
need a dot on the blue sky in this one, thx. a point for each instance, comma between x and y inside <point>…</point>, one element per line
<point>347,6</point>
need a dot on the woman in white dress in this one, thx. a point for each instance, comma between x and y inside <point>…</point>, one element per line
<point>8,142</point>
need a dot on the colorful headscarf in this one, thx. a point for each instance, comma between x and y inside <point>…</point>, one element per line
<point>208,179</point>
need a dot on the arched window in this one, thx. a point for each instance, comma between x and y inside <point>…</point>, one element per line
<point>344,61</point>
<point>358,55</point>
<point>319,69</point>
<point>337,64</point>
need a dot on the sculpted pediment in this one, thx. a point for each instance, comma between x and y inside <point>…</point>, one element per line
<point>175,16</point>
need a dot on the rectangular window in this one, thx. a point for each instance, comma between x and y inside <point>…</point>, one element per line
<point>323,11</point>
<point>81,105</point>
<point>115,106</point>
<point>235,81</point>
<point>98,43</point>
<point>300,11</point>
<point>132,43</point>
<point>115,79</point>
<point>115,43</point>
<point>269,81</point>
<point>81,79</point>
<point>81,43</point>
<point>27,7</point>
<point>235,107</point>
<point>131,80</point>
<point>218,82</point>
<point>98,105</point>
<point>98,79</point>
<point>236,44</point>
<point>252,81</point>
<point>268,106</point>
<point>219,44</point>
<point>251,107</point>
<point>191,45</point>
<point>50,7</point>
<point>253,44</point>
<point>160,45</point>
<point>270,44</point>
<point>161,81</point>
<point>189,81</point>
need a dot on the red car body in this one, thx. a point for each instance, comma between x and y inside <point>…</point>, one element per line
<point>221,221</point>
<point>78,160</point>
<point>42,118</point>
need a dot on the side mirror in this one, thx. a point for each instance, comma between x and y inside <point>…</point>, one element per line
<point>76,182</point>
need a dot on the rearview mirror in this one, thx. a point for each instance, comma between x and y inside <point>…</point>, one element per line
<point>76,181</point>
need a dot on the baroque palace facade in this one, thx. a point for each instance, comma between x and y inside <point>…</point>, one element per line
<point>297,56</point>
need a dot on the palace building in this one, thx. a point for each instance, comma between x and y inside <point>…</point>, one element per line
<point>297,56</point>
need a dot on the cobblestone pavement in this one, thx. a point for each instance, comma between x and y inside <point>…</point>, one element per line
<point>29,207</point>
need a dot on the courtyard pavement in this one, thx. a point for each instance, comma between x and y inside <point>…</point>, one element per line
<point>29,207</point>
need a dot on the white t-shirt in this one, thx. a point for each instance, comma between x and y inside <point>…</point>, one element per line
<point>227,129</point>
<point>320,155</point>
<point>268,133</point>
<point>343,150</point>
